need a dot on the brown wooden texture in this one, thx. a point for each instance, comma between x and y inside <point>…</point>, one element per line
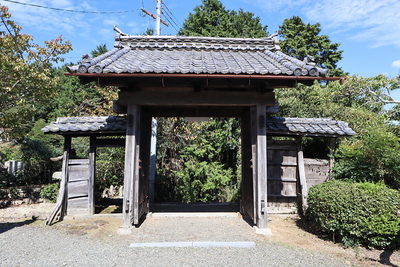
<point>78,172</point>
<point>131,165</point>
<point>282,176</point>
<point>317,171</point>
<point>92,175</point>
<point>78,189</point>
<point>61,205</point>
<point>302,174</point>
<point>247,201</point>
<point>259,113</point>
<point>78,206</point>
<point>144,165</point>
<point>214,98</point>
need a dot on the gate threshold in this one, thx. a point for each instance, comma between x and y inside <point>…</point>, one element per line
<point>193,244</point>
<point>193,214</point>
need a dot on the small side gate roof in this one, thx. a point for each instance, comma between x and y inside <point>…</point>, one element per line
<point>106,125</point>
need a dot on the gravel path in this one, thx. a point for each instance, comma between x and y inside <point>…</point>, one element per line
<point>25,244</point>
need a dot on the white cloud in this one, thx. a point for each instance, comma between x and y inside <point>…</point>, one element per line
<point>374,21</point>
<point>396,64</point>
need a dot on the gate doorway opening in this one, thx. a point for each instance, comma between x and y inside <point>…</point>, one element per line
<point>198,165</point>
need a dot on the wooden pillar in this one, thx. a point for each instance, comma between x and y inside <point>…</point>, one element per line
<point>331,143</point>
<point>260,165</point>
<point>131,164</point>
<point>302,174</point>
<point>92,174</point>
<point>62,200</point>
<point>64,176</point>
<point>247,200</point>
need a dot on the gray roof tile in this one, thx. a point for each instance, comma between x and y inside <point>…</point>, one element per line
<point>275,125</point>
<point>197,55</point>
<point>308,126</point>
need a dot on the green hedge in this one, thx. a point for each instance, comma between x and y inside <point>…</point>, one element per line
<point>356,213</point>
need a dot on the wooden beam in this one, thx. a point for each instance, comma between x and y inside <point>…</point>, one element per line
<point>196,98</point>
<point>302,174</point>
<point>109,142</point>
<point>203,111</point>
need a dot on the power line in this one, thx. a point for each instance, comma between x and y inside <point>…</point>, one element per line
<point>70,10</point>
<point>172,23</point>
<point>167,9</point>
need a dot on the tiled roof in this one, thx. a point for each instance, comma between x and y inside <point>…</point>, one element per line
<point>197,55</point>
<point>275,125</point>
<point>71,125</point>
<point>308,126</point>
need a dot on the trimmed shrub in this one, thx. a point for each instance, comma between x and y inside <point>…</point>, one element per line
<point>356,213</point>
<point>50,192</point>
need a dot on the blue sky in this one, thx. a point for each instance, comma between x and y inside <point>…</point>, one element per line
<point>368,30</point>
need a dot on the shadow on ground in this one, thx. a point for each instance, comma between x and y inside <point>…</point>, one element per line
<point>4,227</point>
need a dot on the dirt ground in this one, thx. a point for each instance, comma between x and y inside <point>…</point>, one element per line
<point>287,231</point>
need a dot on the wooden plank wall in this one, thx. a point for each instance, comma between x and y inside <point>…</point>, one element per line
<point>78,187</point>
<point>317,171</point>
<point>282,176</point>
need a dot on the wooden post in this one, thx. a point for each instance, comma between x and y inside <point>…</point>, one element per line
<point>62,200</point>
<point>247,200</point>
<point>64,176</point>
<point>130,164</point>
<point>260,173</point>
<point>92,174</point>
<point>331,158</point>
<point>302,174</point>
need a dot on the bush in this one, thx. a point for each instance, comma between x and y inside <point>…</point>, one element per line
<point>357,213</point>
<point>50,192</point>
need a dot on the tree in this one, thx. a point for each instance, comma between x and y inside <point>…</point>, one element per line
<point>100,49</point>
<point>301,40</point>
<point>26,79</point>
<point>212,19</point>
<point>373,153</point>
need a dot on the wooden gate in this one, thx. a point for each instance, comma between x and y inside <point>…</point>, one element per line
<point>78,187</point>
<point>282,176</point>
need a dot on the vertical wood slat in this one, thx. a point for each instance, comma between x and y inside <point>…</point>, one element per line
<point>331,154</point>
<point>247,202</point>
<point>144,169</point>
<point>67,151</point>
<point>261,165</point>
<point>302,174</point>
<point>92,172</point>
<point>62,200</point>
<point>130,164</point>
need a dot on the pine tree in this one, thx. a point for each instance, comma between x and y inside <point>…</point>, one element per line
<point>301,40</point>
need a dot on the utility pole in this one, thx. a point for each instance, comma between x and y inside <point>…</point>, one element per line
<point>157,17</point>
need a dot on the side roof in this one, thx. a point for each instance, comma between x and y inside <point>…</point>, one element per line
<point>197,55</point>
<point>107,125</point>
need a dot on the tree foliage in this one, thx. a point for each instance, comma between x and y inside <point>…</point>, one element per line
<point>372,154</point>
<point>25,75</point>
<point>301,40</point>
<point>213,19</point>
